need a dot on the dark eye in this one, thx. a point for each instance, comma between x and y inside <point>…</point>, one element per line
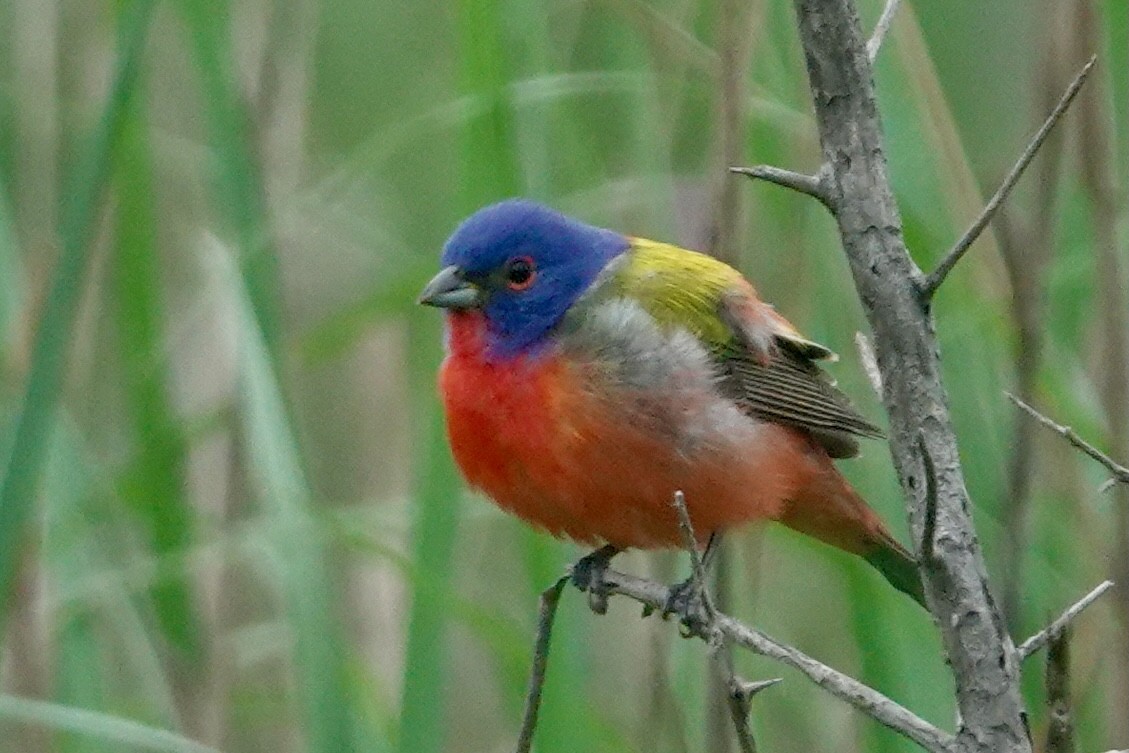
<point>520,272</point>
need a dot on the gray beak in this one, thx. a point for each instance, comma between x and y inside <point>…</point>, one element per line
<point>448,290</point>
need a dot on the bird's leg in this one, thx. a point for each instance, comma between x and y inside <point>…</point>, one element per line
<point>685,598</point>
<point>588,575</point>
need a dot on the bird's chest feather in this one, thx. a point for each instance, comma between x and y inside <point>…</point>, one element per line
<point>519,422</point>
<point>590,437</point>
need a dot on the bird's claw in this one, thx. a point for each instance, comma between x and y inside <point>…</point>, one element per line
<point>589,573</point>
<point>685,601</point>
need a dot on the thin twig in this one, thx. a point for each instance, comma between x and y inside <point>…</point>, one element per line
<point>690,543</point>
<point>880,29</point>
<point>954,255</point>
<point>738,700</point>
<point>1039,639</point>
<point>655,596</point>
<point>1060,721</point>
<point>810,185</point>
<point>1120,472</point>
<point>550,599</point>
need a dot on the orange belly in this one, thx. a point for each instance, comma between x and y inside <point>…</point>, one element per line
<point>549,443</point>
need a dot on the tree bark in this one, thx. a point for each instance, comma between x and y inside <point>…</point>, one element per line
<point>856,185</point>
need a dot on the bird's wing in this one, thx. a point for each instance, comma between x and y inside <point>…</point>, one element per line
<point>764,364</point>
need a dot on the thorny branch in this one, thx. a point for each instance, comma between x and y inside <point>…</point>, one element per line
<point>654,597</point>
<point>896,298</point>
<point>717,630</point>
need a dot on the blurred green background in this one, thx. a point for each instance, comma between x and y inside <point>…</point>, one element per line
<point>228,517</point>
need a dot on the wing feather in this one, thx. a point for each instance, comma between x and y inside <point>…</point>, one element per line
<point>777,379</point>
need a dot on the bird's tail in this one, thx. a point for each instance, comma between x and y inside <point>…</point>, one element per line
<point>897,566</point>
<point>831,511</point>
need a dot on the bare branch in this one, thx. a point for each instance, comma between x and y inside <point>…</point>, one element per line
<point>690,543</point>
<point>550,599</point>
<point>880,29</point>
<point>654,597</point>
<point>810,185</point>
<point>718,630</point>
<point>889,283</point>
<point>1120,472</point>
<point>1056,628</point>
<point>961,247</point>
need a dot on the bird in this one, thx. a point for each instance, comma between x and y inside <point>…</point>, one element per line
<point>590,375</point>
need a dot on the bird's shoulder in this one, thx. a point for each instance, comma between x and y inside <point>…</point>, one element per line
<point>679,288</point>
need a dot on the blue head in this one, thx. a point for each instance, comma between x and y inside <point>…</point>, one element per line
<point>523,265</point>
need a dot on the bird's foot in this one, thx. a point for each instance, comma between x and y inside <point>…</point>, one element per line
<point>687,602</point>
<point>588,575</point>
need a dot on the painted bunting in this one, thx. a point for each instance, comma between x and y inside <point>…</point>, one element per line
<point>589,375</point>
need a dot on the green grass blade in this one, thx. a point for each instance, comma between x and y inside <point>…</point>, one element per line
<point>114,729</point>
<point>11,283</point>
<point>489,173</point>
<point>154,483</point>
<point>297,539</point>
<point>237,184</point>
<point>48,365</point>
<point>92,598</point>
<point>489,165</point>
<point>422,725</point>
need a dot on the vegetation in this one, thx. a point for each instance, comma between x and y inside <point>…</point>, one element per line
<point>228,517</point>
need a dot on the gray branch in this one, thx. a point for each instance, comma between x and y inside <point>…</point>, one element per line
<point>958,250</point>
<point>1059,626</point>
<point>881,29</point>
<point>655,596</point>
<point>976,642</point>
<point>547,613</point>
<point>810,185</point>
<point>1120,472</point>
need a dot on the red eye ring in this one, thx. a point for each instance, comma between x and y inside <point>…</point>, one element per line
<point>520,272</point>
